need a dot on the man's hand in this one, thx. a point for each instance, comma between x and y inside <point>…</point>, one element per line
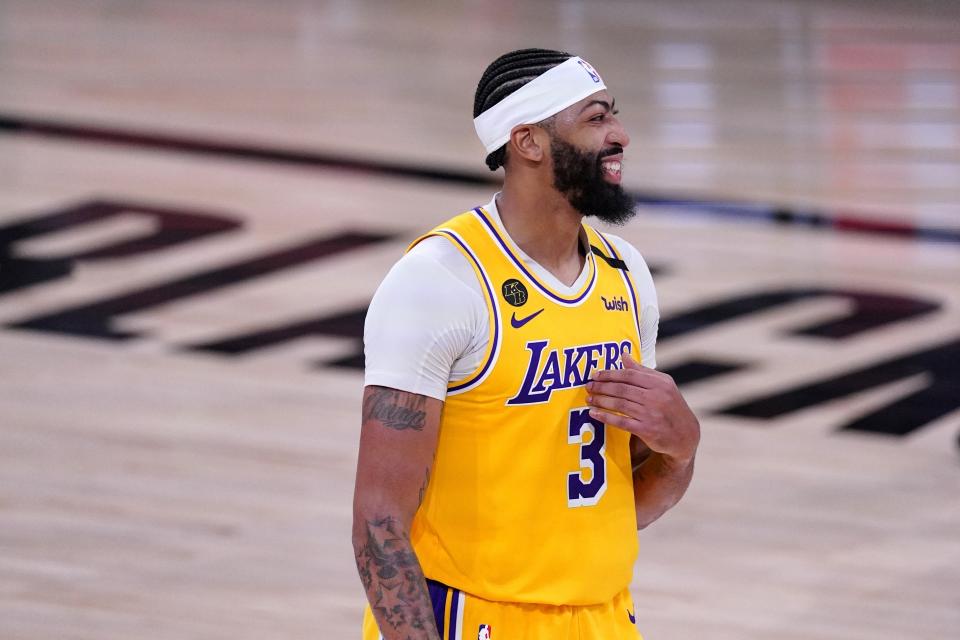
<point>648,404</point>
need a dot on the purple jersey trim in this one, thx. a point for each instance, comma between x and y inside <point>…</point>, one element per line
<point>475,379</point>
<point>519,265</point>
<point>438,597</point>
<point>629,283</point>
<point>454,606</point>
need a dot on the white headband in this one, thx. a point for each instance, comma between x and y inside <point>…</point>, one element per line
<point>545,95</point>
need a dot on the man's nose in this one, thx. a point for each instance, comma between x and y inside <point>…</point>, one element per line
<point>618,135</point>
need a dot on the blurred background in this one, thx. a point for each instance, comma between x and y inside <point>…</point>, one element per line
<point>198,199</point>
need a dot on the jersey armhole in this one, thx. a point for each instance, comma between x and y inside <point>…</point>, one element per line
<point>494,339</point>
<point>631,289</point>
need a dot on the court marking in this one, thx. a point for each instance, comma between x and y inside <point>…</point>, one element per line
<point>812,218</point>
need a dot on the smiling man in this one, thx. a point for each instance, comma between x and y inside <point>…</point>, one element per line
<point>515,434</point>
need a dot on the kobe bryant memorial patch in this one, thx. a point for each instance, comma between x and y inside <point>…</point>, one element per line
<point>514,292</point>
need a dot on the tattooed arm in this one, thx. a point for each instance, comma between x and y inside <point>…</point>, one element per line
<point>398,439</point>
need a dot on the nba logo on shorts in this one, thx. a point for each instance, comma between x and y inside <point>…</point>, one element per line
<point>589,69</point>
<point>484,632</point>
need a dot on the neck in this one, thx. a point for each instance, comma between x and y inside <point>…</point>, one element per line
<point>544,225</point>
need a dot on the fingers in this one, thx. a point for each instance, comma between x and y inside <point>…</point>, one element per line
<point>638,427</point>
<point>654,432</point>
<point>615,389</point>
<point>629,362</point>
<point>618,404</point>
<point>647,404</point>
<point>650,396</point>
<point>638,377</point>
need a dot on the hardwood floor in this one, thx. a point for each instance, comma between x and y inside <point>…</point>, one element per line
<point>197,201</point>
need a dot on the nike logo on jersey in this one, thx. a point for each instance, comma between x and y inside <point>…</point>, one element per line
<point>633,618</point>
<point>516,323</point>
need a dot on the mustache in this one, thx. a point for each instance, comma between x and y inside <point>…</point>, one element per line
<point>612,151</point>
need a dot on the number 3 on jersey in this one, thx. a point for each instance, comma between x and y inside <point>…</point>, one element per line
<point>586,486</point>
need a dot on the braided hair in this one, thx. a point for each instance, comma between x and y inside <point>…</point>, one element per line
<point>505,75</point>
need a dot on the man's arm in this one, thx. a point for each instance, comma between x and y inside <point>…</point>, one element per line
<point>398,440</point>
<point>658,482</point>
<point>665,432</point>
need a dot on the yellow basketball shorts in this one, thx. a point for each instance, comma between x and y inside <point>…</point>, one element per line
<point>461,616</point>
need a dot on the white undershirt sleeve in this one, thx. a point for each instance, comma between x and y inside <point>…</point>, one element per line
<point>426,323</point>
<point>650,309</point>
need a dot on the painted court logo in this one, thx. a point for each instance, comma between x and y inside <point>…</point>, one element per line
<point>484,632</point>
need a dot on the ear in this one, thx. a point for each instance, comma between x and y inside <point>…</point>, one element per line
<point>530,142</point>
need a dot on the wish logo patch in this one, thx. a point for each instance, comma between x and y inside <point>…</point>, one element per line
<point>616,304</point>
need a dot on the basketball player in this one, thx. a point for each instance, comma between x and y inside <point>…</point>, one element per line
<point>515,433</point>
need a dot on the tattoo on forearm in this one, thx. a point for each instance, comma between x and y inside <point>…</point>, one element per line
<point>423,487</point>
<point>394,581</point>
<point>395,410</point>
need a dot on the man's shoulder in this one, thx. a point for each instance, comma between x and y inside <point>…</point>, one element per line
<point>468,219</point>
<point>465,217</point>
<point>440,244</point>
<point>433,248</point>
<point>437,261</point>
<point>629,253</point>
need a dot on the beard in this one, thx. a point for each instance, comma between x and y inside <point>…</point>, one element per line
<point>579,177</point>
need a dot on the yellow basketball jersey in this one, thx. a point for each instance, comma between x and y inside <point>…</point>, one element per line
<point>530,499</point>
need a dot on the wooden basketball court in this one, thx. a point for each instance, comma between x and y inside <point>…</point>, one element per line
<point>197,201</point>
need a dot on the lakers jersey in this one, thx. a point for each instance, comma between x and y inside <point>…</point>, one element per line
<point>530,499</point>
